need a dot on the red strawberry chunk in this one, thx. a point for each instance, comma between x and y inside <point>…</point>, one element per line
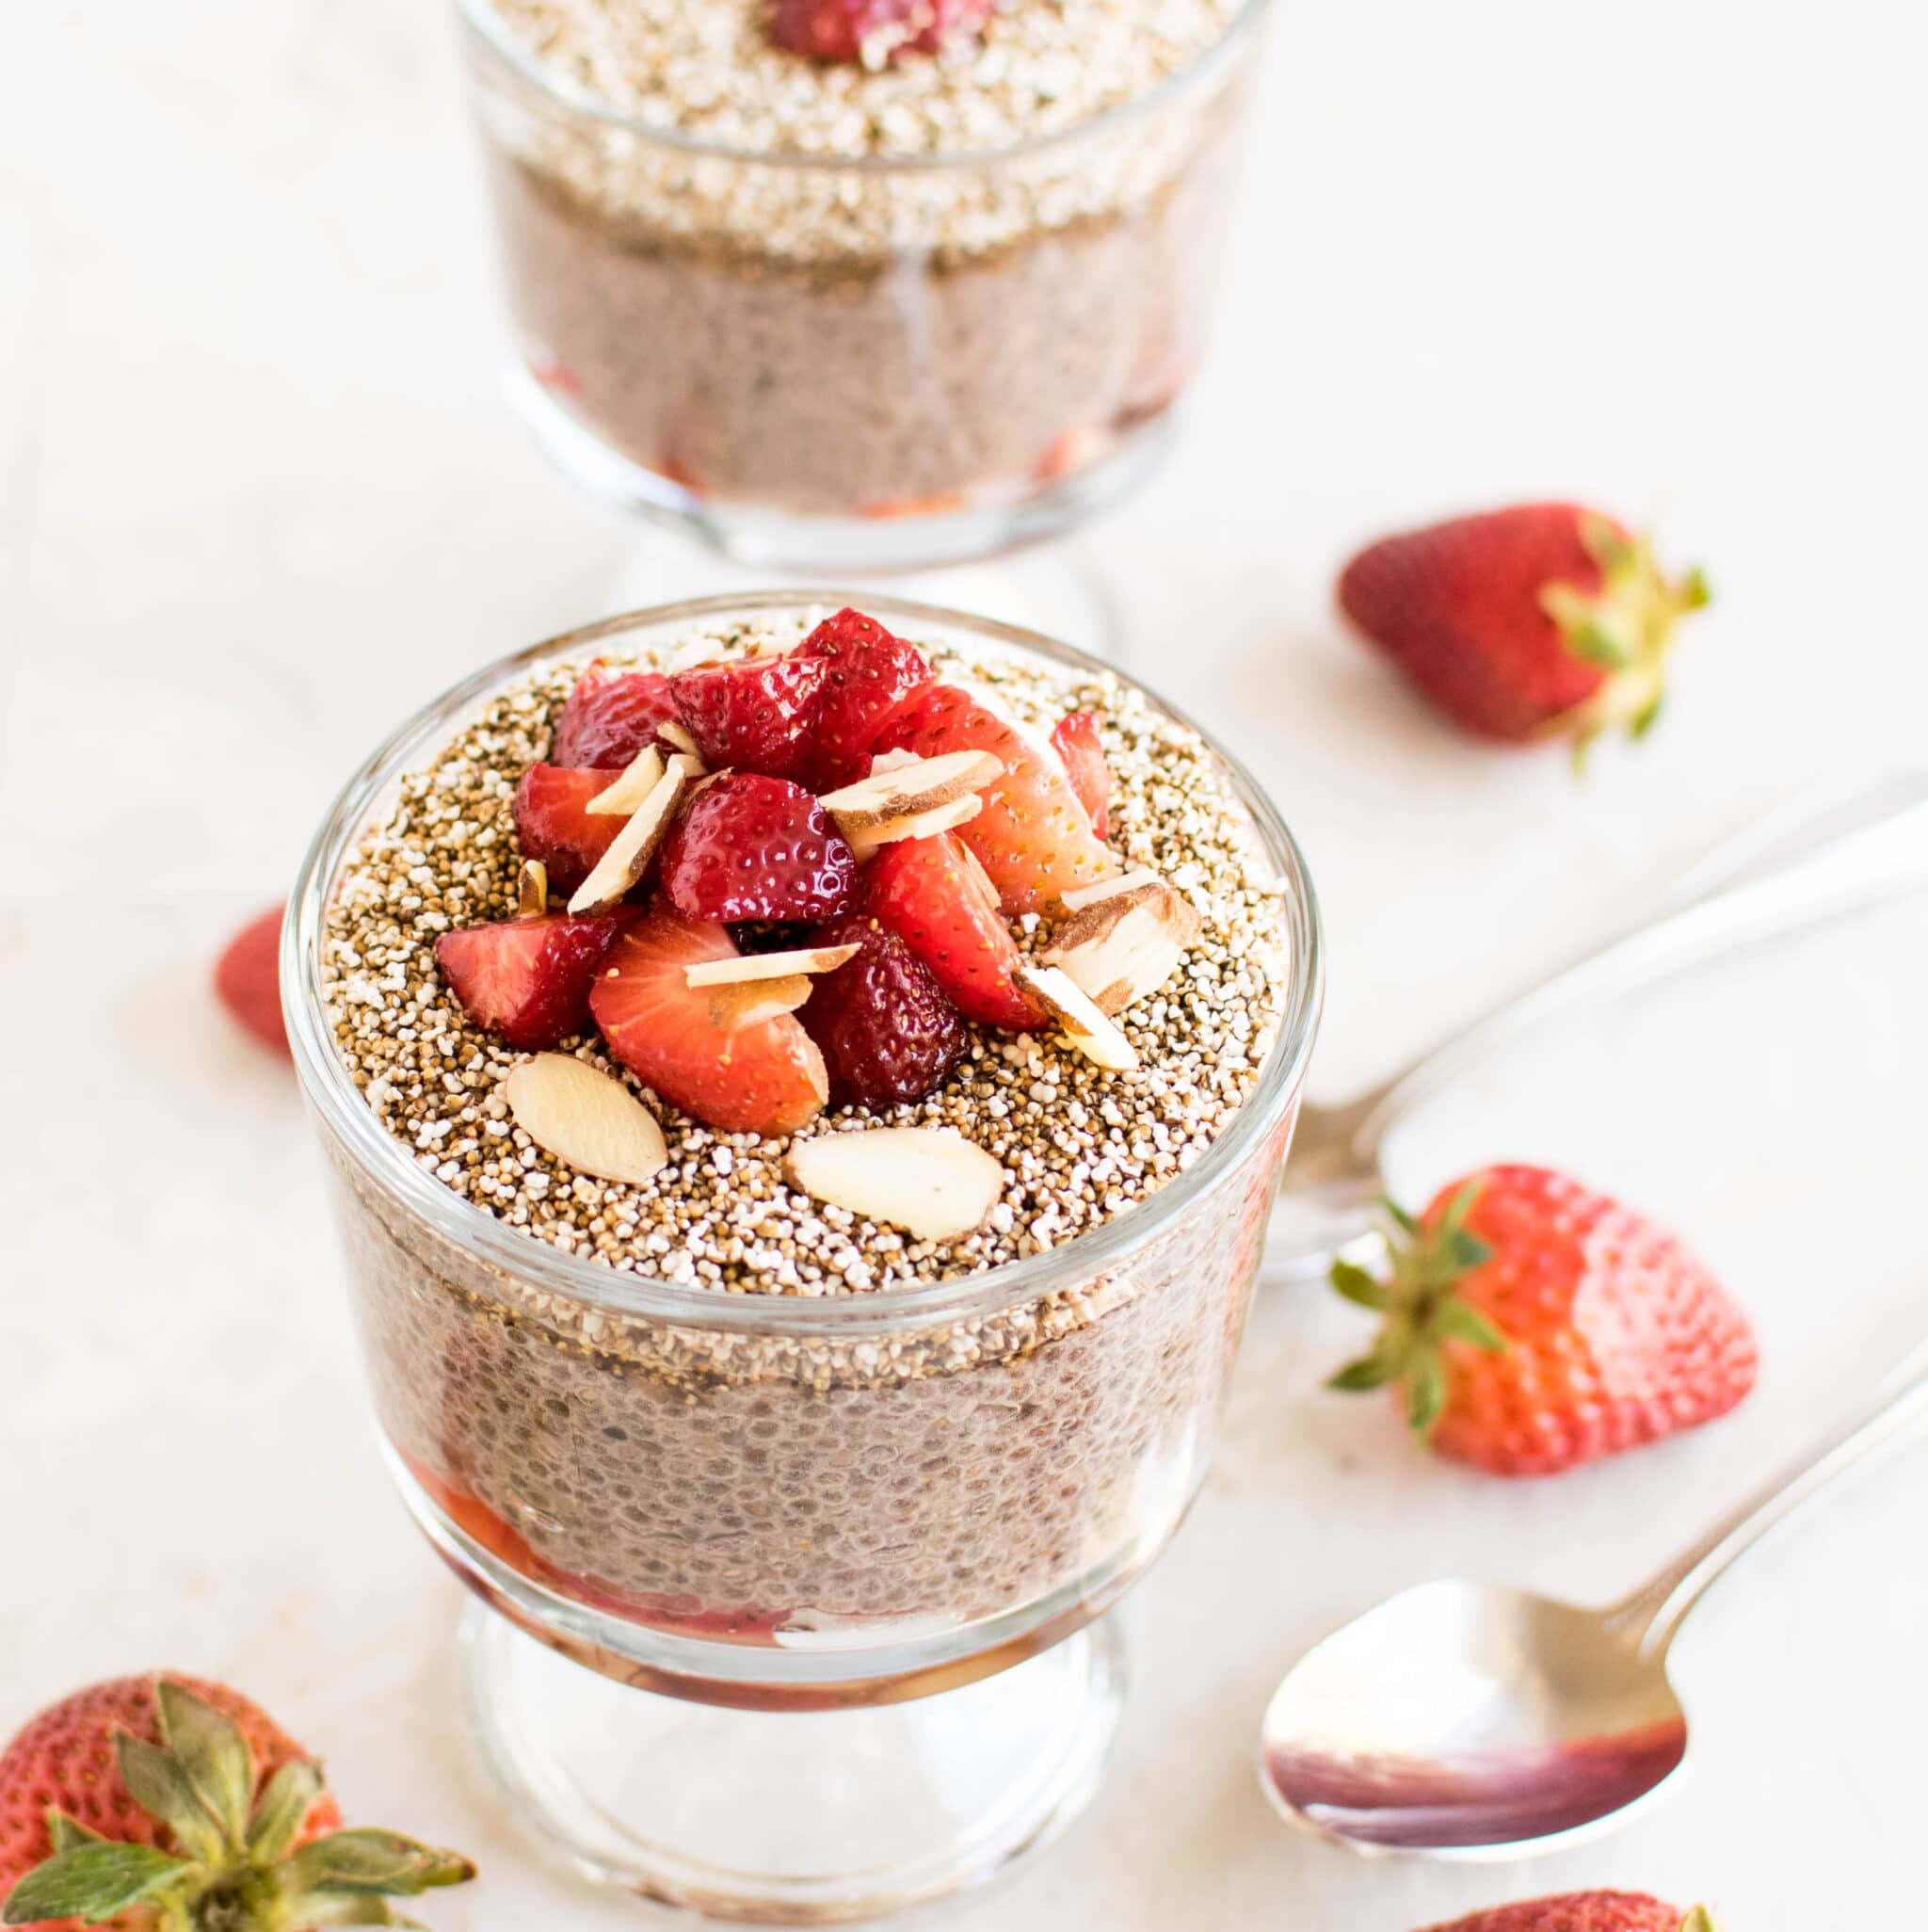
<point>1032,836</point>
<point>873,30</point>
<point>933,896</point>
<point>751,848</point>
<point>554,822</point>
<point>752,713</point>
<point>529,979</point>
<point>766,1077</point>
<point>610,717</point>
<point>1075,739</point>
<point>247,978</point>
<point>868,674</point>
<point>887,1031</point>
<point>1576,1911</point>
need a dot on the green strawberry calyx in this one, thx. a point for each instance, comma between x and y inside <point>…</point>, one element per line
<point>1699,1919</point>
<point>234,1866</point>
<point>1626,627</point>
<point>1418,1295</point>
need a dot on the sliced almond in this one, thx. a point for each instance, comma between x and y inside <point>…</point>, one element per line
<point>1127,945</point>
<point>1081,896</point>
<point>636,844</point>
<point>1077,1014</point>
<point>919,825</point>
<point>584,1117</point>
<point>532,890</point>
<point>749,1002</point>
<point>754,966</point>
<point>894,761</point>
<point>906,790</point>
<point>678,738</point>
<point>927,1180</point>
<point>634,783</point>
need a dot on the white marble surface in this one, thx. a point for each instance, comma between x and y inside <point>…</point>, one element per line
<point>257,496</point>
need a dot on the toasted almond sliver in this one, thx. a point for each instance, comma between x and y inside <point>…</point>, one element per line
<point>1077,1014</point>
<point>678,738</point>
<point>1081,896</point>
<point>629,857</point>
<point>894,761</point>
<point>754,966</point>
<point>743,1002</point>
<point>921,824</point>
<point>1127,945</point>
<point>926,1180</point>
<point>906,790</point>
<point>633,784</point>
<point>584,1117</point>
<point>532,890</point>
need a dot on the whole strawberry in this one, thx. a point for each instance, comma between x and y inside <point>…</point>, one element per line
<point>247,978</point>
<point>1585,1912</point>
<point>1533,1325</point>
<point>164,1804</point>
<point>1544,620</point>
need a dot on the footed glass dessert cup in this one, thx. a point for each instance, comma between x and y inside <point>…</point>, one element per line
<point>851,364</point>
<point>787,1606</point>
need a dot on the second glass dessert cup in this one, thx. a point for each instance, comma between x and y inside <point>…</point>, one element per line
<point>786,1607</point>
<point>844,363</point>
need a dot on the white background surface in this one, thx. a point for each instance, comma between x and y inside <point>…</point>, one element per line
<point>258,497</point>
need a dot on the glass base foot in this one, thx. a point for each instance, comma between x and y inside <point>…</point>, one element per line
<point>791,1819</point>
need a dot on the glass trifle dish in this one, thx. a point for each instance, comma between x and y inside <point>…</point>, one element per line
<point>802,1091</point>
<point>859,283</point>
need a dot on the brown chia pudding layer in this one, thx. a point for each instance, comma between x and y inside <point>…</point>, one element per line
<point>984,272</point>
<point>753,1485</point>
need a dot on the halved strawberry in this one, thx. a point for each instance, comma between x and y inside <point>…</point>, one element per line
<point>868,673</point>
<point>1075,739</point>
<point>247,978</point>
<point>766,1077</point>
<point>873,31</point>
<point>887,1030</point>
<point>1032,836</point>
<point>554,822</point>
<point>529,979</point>
<point>752,713</point>
<point>752,847</point>
<point>933,896</point>
<point>610,717</point>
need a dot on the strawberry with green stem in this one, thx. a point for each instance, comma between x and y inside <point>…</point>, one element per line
<point>1531,1325</point>
<point>205,1817</point>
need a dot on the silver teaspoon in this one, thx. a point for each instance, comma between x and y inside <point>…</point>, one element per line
<point>1466,1720</point>
<point>1824,854</point>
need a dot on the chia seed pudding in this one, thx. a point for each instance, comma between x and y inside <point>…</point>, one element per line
<point>951,281</point>
<point>767,1479</point>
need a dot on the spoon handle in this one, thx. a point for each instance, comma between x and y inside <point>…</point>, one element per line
<point>1896,1411</point>
<point>1819,854</point>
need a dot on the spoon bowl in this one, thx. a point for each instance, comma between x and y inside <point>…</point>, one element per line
<point>1459,1718</point>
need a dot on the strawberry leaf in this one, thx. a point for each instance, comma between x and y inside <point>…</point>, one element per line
<point>1700,1920</point>
<point>91,1883</point>
<point>1465,1323</point>
<point>1357,1285</point>
<point>212,1753</point>
<point>1425,1393</point>
<point>290,1796</point>
<point>158,1783</point>
<point>372,1860</point>
<point>67,1832</point>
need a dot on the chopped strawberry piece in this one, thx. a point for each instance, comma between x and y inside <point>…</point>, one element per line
<point>752,847</point>
<point>610,717</point>
<point>1032,836</point>
<point>554,822</point>
<point>752,713</point>
<point>933,896</point>
<point>868,673</point>
<point>1075,739</point>
<point>872,31</point>
<point>766,1077</point>
<point>887,1030</point>
<point>247,978</point>
<point>529,979</point>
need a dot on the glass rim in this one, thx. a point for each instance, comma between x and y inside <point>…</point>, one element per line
<point>626,1294</point>
<point>481,20</point>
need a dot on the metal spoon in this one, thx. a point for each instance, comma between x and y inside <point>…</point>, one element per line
<point>1468,1720</point>
<point>1825,853</point>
